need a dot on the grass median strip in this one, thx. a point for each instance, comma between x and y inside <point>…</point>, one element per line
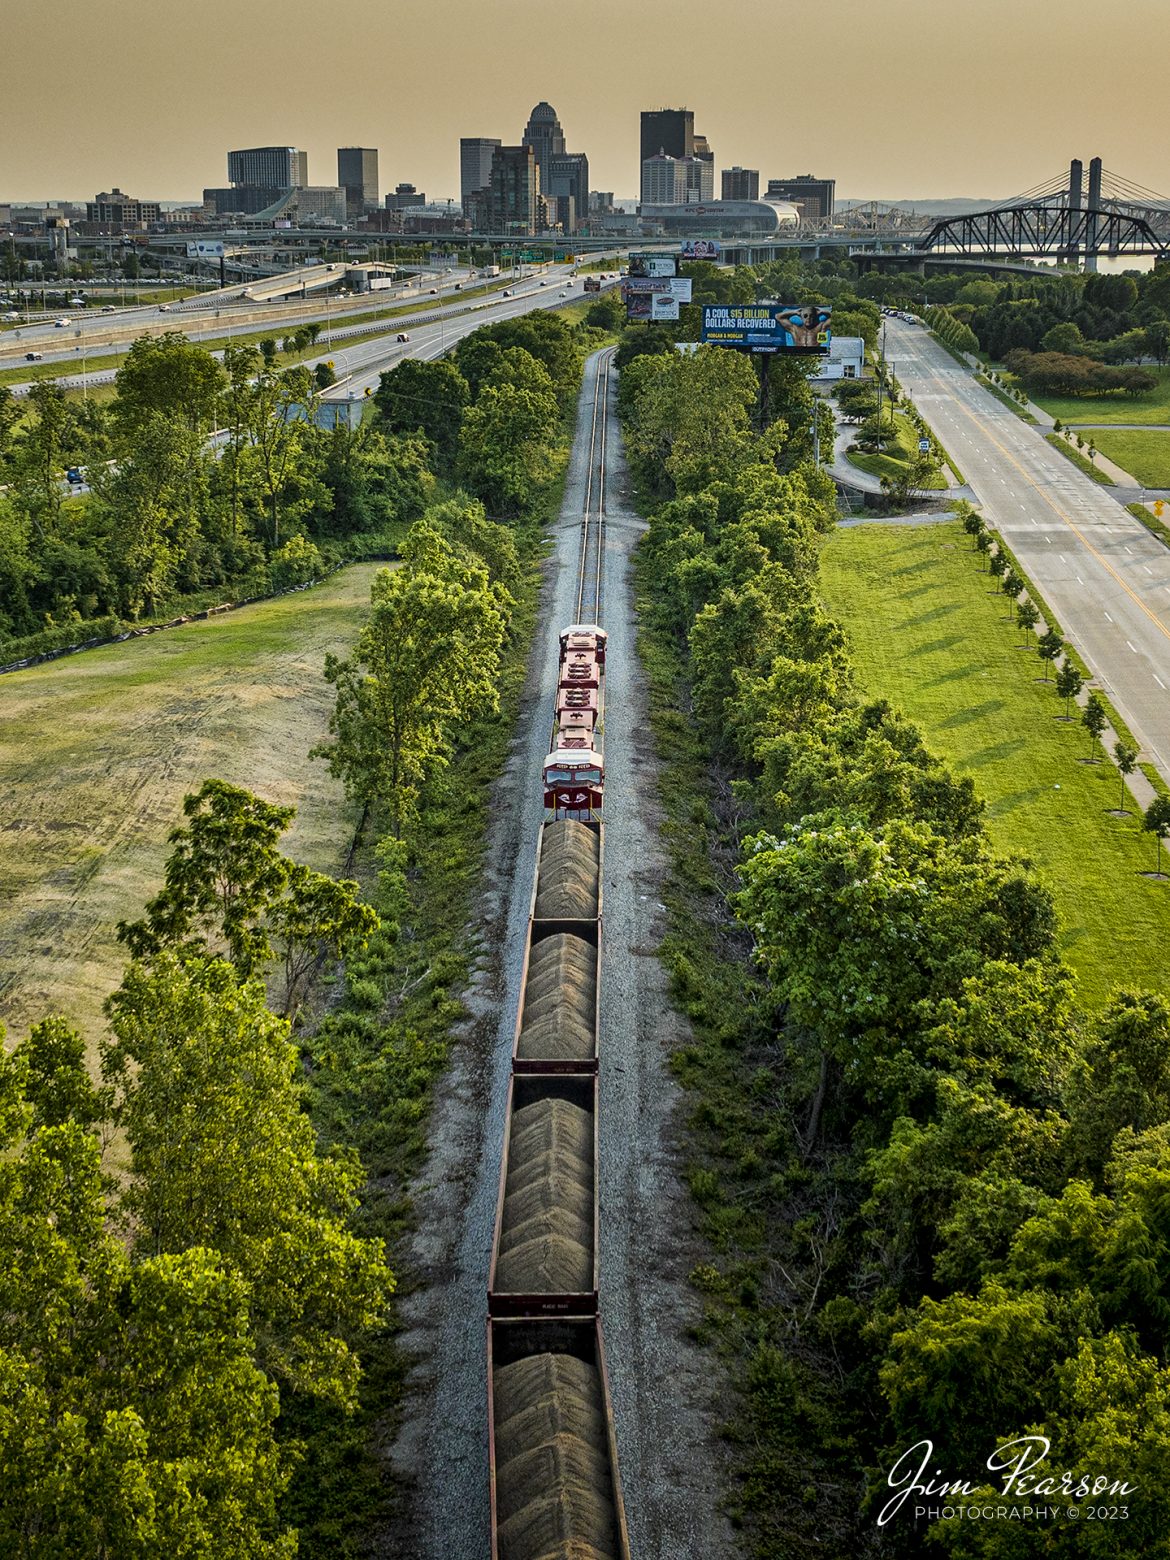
<point>1000,395</point>
<point>929,633</point>
<point>1081,462</point>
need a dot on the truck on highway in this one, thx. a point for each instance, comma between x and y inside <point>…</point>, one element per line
<point>490,270</point>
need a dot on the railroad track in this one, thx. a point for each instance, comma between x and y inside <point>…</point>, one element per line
<point>553,1468</point>
<point>591,578</point>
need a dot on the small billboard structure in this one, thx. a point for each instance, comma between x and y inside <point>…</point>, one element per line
<point>701,249</point>
<point>768,327</point>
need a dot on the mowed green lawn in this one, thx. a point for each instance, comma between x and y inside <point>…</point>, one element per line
<point>928,635</point>
<point>98,750</point>
<point>1143,452</point>
<point>1151,408</point>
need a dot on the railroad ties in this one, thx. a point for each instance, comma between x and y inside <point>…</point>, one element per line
<point>555,1487</point>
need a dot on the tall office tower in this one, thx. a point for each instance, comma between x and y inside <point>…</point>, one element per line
<point>700,178</point>
<point>741,183</point>
<point>514,192</point>
<point>815,199</point>
<point>357,173</point>
<point>666,132</point>
<point>566,176</point>
<point>664,180</point>
<point>475,167</point>
<point>281,167</point>
<point>544,134</point>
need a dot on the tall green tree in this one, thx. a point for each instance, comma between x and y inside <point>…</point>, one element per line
<point>223,873</point>
<point>223,1157</point>
<point>134,1420</point>
<point>1094,719</point>
<point>425,665</point>
<point>427,397</point>
<point>1157,823</point>
<point>171,377</point>
<point>505,447</point>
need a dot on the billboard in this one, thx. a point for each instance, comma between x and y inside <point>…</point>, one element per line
<point>647,296</point>
<point>205,249</point>
<point>663,307</point>
<point>593,284</point>
<point>653,265</point>
<point>768,327</point>
<point>701,249</point>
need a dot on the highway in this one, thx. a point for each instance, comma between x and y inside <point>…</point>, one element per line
<point>359,367</point>
<point>1105,576</point>
<point>453,317</point>
<point>95,333</point>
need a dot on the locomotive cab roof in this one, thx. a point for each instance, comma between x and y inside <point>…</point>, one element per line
<point>573,758</point>
<point>591,630</point>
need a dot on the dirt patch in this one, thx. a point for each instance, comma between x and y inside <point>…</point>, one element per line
<point>97,752</point>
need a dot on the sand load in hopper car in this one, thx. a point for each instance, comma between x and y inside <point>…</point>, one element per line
<point>555,1490</point>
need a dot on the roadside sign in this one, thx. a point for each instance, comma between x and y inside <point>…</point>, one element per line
<point>924,446</point>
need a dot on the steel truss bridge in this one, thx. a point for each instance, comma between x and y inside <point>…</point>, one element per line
<point>1058,221</point>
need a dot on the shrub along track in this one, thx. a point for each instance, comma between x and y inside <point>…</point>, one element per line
<point>662,1386</point>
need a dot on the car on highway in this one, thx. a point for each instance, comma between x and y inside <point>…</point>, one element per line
<point>164,308</point>
<point>402,336</point>
<point>12,315</point>
<point>507,292</point>
<point>434,289</point>
<point>62,322</point>
<point>109,308</point>
<point>542,284</point>
<point>73,475</point>
<point>33,357</point>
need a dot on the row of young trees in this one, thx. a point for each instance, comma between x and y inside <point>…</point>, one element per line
<point>1067,679</point>
<point>958,1179</point>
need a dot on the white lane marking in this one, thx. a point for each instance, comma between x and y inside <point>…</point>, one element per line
<point>1108,619</point>
<point>1079,580</point>
<point>1147,569</point>
<point>1133,647</point>
<point>1159,681</point>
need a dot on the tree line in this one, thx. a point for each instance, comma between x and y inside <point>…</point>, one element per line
<point>173,511</point>
<point>934,1187</point>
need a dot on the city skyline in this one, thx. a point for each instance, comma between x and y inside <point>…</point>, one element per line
<point>204,85</point>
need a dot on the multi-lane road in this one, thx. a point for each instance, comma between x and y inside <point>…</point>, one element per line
<point>433,324</point>
<point>1105,576</point>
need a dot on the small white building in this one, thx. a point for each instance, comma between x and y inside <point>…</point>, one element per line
<point>846,359</point>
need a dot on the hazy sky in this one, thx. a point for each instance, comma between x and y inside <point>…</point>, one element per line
<point>906,98</point>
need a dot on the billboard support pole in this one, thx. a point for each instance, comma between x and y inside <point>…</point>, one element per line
<point>765,358</point>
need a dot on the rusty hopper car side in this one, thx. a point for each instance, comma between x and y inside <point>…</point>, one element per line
<point>560,982</point>
<point>555,1487</point>
<point>544,1255</point>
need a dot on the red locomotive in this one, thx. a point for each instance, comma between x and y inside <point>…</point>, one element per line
<point>574,771</point>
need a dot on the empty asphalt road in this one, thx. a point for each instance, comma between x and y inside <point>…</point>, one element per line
<point>1106,578</point>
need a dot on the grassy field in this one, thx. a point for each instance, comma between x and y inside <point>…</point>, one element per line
<point>893,465</point>
<point>98,750</point>
<point>1144,453</point>
<point>1151,408</point>
<point>929,634</point>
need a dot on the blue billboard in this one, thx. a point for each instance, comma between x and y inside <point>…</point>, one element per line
<point>768,327</point>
